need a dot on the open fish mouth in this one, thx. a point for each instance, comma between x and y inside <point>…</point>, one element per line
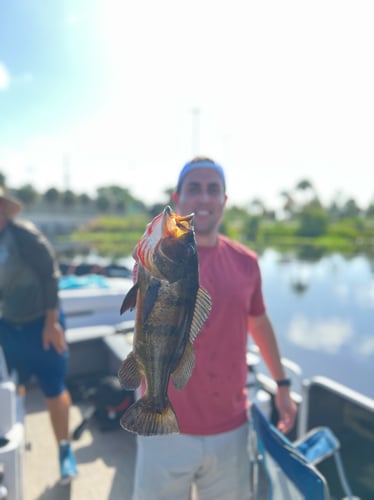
<point>175,225</point>
<point>166,225</point>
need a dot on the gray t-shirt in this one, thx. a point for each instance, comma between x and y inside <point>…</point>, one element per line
<point>20,286</point>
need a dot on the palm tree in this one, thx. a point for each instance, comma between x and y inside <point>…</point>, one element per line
<point>307,191</point>
<point>289,204</point>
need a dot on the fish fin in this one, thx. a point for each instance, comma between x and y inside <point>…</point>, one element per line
<point>129,374</point>
<point>202,309</point>
<point>142,418</point>
<point>150,298</point>
<point>183,372</point>
<point>129,302</point>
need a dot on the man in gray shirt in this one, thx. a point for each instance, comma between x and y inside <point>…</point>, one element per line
<point>31,321</point>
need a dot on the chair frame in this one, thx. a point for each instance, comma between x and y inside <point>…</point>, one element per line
<point>297,469</point>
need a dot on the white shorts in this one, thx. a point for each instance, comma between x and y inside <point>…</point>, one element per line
<point>168,465</point>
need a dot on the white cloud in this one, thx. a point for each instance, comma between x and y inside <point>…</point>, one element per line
<point>365,296</point>
<point>366,347</point>
<point>327,335</point>
<point>4,77</point>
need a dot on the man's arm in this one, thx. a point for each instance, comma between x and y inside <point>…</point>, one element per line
<point>263,335</point>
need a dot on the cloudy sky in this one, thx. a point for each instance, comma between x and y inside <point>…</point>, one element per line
<point>99,92</point>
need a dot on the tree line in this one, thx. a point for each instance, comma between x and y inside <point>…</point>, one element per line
<point>117,219</point>
<point>117,199</point>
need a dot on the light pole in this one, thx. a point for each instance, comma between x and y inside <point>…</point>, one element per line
<point>195,131</point>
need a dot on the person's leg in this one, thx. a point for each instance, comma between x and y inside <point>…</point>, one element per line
<point>165,466</point>
<point>50,369</point>
<point>24,353</point>
<point>225,474</point>
<point>58,408</point>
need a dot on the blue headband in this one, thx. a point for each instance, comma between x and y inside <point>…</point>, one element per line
<point>201,164</point>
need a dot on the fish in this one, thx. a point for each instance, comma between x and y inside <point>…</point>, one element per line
<point>171,308</point>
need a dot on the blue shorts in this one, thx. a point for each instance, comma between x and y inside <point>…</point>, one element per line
<point>24,353</point>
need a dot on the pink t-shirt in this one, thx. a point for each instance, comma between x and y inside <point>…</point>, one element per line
<point>215,399</point>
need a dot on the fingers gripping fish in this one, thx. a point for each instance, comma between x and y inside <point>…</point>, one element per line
<point>171,309</point>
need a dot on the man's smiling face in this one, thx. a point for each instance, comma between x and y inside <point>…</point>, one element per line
<point>202,192</point>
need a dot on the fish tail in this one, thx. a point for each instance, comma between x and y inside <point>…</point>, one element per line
<point>142,418</point>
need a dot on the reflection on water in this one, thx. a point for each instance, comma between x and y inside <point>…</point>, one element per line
<point>327,335</point>
<point>323,314</point>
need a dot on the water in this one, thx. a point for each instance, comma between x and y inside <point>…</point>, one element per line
<point>323,315</point>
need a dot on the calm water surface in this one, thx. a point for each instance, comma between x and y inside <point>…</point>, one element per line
<point>323,314</point>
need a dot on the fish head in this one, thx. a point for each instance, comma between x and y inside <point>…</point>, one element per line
<point>168,245</point>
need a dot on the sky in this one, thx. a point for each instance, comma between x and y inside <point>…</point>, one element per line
<point>101,92</point>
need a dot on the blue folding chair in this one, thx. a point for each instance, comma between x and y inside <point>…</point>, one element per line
<point>285,470</point>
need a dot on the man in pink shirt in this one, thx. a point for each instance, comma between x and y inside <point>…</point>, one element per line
<point>211,450</point>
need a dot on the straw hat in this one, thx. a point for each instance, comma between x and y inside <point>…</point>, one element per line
<point>12,206</point>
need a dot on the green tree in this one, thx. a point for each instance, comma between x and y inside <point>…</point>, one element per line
<point>103,203</point>
<point>350,208</point>
<point>253,227</point>
<point>313,221</point>
<point>27,194</point>
<point>118,198</point>
<point>370,210</point>
<point>334,210</point>
<point>51,196</point>
<point>236,222</point>
<point>68,198</point>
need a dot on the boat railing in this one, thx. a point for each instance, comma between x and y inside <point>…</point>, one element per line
<point>351,417</point>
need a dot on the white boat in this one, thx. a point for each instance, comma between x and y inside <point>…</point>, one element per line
<point>93,300</point>
<point>99,339</point>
